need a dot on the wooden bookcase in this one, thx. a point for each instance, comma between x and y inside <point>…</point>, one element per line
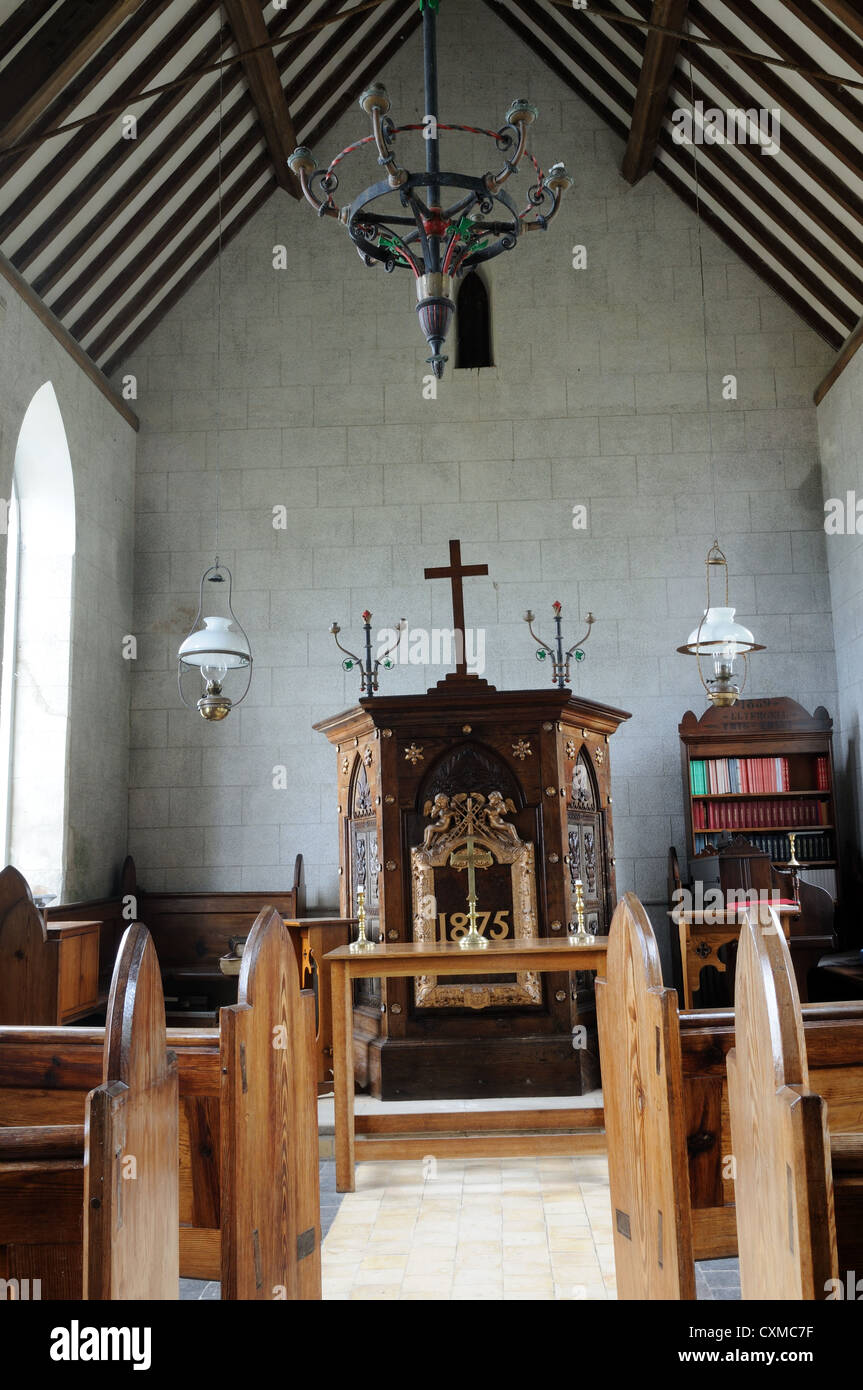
<point>769,728</point>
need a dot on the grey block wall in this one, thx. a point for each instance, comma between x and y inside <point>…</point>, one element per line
<point>598,397</point>
<point>102,450</point>
<point>840,428</point>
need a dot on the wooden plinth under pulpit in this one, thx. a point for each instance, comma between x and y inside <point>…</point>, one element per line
<point>514,784</point>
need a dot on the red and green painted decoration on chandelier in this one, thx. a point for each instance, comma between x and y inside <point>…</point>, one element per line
<point>437,243</point>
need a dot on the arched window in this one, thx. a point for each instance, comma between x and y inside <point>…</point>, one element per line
<point>473,323</point>
<point>34,692</point>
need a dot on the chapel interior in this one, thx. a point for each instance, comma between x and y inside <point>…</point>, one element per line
<point>431,541</point>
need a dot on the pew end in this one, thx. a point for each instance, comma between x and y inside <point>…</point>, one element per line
<point>783,1185</point>
<point>643,1098</point>
<point>270,1209</point>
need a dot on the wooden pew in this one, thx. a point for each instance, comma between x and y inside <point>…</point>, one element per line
<point>247,1117</point>
<point>785,1171</point>
<point>191,933</point>
<point>680,1066</point>
<point>91,1209</point>
<point>639,1044</point>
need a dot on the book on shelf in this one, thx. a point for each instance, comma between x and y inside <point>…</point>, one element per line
<point>759,815</point>
<point>811,847</point>
<point>738,776</point>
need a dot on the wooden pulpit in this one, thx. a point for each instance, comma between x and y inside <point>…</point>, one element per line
<point>508,791</point>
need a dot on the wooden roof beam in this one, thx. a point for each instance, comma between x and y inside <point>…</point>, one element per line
<point>848,11</point>
<point>651,98</point>
<point>52,58</point>
<point>246,20</point>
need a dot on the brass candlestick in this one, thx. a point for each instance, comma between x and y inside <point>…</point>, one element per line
<point>471,858</point>
<point>362,942</point>
<point>579,937</point>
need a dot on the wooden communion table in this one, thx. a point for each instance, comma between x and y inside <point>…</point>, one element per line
<point>447,1135</point>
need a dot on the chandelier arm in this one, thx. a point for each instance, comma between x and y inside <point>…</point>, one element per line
<point>322,208</point>
<point>387,158</point>
<point>510,167</point>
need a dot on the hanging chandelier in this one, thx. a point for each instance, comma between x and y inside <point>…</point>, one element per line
<point>438,244</point>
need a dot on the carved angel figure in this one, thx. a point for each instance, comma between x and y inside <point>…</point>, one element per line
<point>498,807</point>
<point>442,815</point>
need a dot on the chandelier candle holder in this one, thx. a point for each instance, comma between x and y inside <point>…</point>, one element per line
<point>560,660</point>
<point>720,637</point>
<point>368,666</point>
<point>362,942</point>
<point>436,243</point>
<point>580,937</point>
<point>215,646</point>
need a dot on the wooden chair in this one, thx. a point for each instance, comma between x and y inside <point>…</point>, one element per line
<point>785,1163</point>
<point>644,1114</point>
<point>91,1210</point>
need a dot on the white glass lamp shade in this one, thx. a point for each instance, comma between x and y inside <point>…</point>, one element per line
<point>720,635</point>
<point>219,644</point>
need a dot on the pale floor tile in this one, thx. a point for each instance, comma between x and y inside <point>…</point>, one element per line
<point>484,1230</point>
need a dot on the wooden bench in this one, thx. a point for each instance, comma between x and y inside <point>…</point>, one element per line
<point>191,933</point>
<point>787,1165</point>
<point>666,1110</point>
<point>248,1167</point>
<point>90,1209</point>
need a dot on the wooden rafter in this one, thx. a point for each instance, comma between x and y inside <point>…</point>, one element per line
<point>183,216</point>
<point>144,172</point>
<point>246,19</point>
<point>651,98</point>
<point>64,162</point>
<point>45,64</point>
<point>22,19</point>
<point>825,131</point>
<point>772,34</point>
<point>346,79</point>
<point>167,269</point>
<point>176,292</point>
<point>848,11</point>
<point>828,31</point>
<point>758,190</point>
<point>67,342</point>
<point>570,40</point>
<point>70,98</point>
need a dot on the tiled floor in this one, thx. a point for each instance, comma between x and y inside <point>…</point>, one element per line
<point>487,1229</point>
<point>473,1229</point>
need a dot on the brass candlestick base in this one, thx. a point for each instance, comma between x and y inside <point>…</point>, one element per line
<point>579,937</point>
<point>474,941</point>
<point>362,942</point>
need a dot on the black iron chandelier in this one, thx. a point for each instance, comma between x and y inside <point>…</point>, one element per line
<point>437,243</point>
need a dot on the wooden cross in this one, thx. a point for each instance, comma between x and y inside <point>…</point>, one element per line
<point>455,571</point>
